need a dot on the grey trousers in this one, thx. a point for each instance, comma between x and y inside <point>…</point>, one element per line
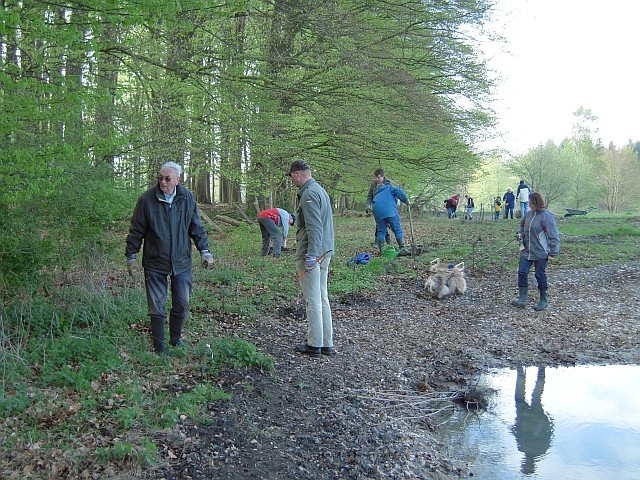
<point>314,289</point>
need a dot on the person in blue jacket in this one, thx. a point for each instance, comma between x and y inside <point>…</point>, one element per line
<point>384,205</point>
<point>378,176</point>
<point>509,202</point>
<point>541,241</point>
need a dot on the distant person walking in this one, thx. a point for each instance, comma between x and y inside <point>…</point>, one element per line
<point>497,207</point>
<point>522,194</point>
<point>468,214</point>
<point>509,200</point>
<point>541,241</point>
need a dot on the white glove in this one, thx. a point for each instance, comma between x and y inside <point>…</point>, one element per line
<point>207,259</point>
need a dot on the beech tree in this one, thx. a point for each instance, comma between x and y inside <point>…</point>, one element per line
<point>95,95</point>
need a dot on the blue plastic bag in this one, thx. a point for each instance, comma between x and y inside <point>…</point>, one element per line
<point>360,259</point>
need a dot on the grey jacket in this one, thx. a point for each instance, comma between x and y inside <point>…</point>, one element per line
<point>540,235</point>
<point>315,221</point>
<point>167,231</point>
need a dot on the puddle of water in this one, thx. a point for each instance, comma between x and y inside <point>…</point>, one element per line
<point>574,423</point>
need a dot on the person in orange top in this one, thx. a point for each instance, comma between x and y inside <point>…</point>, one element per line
<point>274,224</point>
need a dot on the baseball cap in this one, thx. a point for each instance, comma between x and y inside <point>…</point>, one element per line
<point>297,166</point>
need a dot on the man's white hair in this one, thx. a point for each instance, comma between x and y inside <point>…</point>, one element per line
<point>174,166</point>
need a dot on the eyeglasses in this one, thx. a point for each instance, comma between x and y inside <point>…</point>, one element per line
<point>167,179</point>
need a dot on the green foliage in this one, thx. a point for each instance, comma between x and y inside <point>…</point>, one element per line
<point>145,453</point>
<point>191,404</point>
<point>15,399</point>
<point>73,362</point>
<point>226,276</point>
<point>238,353</point>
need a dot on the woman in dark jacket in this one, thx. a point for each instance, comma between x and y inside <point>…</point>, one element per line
<point>541,241</point>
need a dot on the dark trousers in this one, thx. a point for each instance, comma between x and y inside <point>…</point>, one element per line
<point>508,209</point>
<point>157,292</point>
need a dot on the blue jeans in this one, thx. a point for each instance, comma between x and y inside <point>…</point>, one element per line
<point>269,230</point>
<point>451,212</point>
<point>469,213</point>
<point>540,272</point>
<point>156,285</point>
<point>523,208</point>
<point>394,224</point>
<point>314,289</point>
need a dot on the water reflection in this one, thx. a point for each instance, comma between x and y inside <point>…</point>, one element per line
<point>569,423</point>
<point>533,428</point>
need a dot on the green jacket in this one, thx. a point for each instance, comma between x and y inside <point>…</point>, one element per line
<point>166,230</point>
<point>315,221</point>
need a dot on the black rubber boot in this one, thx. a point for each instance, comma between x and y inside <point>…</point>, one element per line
<point>157,335</point>
<point>522,298</point>
<point>403,249</point>
<point>175,331</point>
<point>380,244</point>
<point>543,303</point>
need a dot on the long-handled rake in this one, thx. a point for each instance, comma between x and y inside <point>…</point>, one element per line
<point>413,243</point>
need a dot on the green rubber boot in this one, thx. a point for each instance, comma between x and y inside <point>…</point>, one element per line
<point>522,298</point>
<point>543,303</point>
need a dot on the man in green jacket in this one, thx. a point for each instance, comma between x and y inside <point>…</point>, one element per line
<point>314,248</point>
<point>166,219</point>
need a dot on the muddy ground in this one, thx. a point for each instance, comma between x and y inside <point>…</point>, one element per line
<point>372,411</point>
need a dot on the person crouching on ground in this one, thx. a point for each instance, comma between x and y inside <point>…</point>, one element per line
<point>385,212</point>
<point>452,205</point>
<point>314,248</point>
<point>274,225</point>
<point>541,241</point>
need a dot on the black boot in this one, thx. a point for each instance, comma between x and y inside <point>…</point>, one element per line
<point>175,331</point>
<point>403,248</point>
<point>157,335</point>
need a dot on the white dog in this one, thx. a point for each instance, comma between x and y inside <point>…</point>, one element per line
<point>442,284</point>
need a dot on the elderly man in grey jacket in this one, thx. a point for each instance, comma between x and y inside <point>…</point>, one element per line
<point>314,248</point>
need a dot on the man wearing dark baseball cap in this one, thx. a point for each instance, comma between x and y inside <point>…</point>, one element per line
<point>314,248</point>
<point>297,166</point>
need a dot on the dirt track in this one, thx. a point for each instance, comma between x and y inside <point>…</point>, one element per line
<point>333,418</point>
